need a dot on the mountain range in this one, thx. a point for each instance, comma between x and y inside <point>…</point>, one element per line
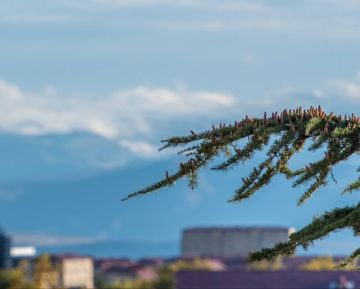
<point>49,187</point>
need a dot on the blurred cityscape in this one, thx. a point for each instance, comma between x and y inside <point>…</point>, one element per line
<point>211,257</point>
<point>89,88</point>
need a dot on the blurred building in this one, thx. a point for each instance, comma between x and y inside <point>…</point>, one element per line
<point>19,254</point>
<point>5,245</point>
<point>112,270</point>
<point>292,263</point>
<point>75,271</point>
<point>223,242</point>
<point>268,280</point>
<point>23,252</point>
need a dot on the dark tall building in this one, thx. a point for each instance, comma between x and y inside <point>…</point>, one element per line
<point>228,242</point>
<point>5,244</point>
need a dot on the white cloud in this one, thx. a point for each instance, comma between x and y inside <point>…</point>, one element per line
<point>134,118</point>
<point>231,5</point>
<point>248,59</point>
<point>319,93</point>
<point>37,18</point>
<point>141,148</point>
<point>44,239</point>
<point>329,19</point>
<point>336,94</point>
<point>349,90</point>
<point>38,11</point>
<point>170,102</point>
<point>336,89</point>
<point>124,116</point>
<point>126,3</point>
<point>220,24</point>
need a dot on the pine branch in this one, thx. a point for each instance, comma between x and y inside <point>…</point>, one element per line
<point>341,135</point>
<point>281,135</point>
<point>320,227</point>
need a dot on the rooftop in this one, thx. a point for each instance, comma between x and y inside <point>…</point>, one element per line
<point>238,228</point>
<point>267,279</point>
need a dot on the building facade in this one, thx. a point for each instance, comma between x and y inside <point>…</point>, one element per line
<point>268,280</point>
<point>225,242</point>
<point>5,246</point>
<point>77,272</point>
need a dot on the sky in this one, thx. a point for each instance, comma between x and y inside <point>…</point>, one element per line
<point>88,88</point>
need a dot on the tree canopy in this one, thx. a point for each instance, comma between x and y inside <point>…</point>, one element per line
<point>281,135</point>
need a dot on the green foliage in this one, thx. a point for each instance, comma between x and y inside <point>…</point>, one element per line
<point>165,279</point>
<point>319,264</point>
<point>45,274</point>
<point>282,135</point>
<point>193,265</point>
<point>267,265</point>
<point>14,279</point>
<point>129,284</point>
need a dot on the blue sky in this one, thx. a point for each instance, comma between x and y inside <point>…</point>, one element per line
<point>89,87</point>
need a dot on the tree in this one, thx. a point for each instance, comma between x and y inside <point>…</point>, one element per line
<point>319,264</point>
<point>267,265</point>
<point>129,284</point>
<point>15,278</point>
<point>166,278</point>
<point>282,135</point>
<point>46,275</point>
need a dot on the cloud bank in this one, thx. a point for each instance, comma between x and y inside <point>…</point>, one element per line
<point>333,19</point>
<point>43,239</point>
<point>134,117</point>
<point>122,116</point>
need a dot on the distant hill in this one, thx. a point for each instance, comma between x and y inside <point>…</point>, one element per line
<point>56,156</point>
<point>70,197</point>
<point>126,249</point>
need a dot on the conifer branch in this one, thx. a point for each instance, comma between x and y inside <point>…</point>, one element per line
<point>282,135</point>
<point>320,227</point>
